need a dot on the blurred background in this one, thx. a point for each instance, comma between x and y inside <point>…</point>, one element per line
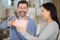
<point>8,7</point>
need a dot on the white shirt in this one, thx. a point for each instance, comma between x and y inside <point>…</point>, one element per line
<point>22,23</point>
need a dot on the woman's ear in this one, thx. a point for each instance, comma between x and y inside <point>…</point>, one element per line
<point>49,12</point>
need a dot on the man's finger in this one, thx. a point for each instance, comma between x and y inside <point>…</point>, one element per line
<point>14,18</point>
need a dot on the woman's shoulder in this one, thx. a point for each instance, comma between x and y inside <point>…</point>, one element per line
<point>53,25</point>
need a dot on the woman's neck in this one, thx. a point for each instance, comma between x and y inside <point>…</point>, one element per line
<point>50,20</point>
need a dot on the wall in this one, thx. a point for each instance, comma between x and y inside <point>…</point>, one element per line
<point>57,4</point>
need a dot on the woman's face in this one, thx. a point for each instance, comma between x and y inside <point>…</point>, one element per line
<point>45,13</point>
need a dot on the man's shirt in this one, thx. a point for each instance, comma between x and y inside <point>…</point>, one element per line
<point>14,35</point>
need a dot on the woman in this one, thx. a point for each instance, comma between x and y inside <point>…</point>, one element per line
<point>50,31</point>
<point>49,14</point>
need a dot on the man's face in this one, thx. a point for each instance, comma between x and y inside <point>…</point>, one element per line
<point>22,9</point>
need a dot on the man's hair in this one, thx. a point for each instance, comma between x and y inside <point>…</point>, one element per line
<point>23,1</point>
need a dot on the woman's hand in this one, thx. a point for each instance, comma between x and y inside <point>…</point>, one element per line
<point>21,25</point>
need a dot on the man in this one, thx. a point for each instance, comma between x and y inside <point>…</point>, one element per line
<point>20,20</point>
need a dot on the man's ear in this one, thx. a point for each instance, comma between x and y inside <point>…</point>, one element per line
<point>27,9</point>
<point>16,9</point>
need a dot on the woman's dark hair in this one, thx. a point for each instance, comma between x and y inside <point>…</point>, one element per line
<point>51,7</point>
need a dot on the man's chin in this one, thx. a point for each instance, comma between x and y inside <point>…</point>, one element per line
<point>22,15</point>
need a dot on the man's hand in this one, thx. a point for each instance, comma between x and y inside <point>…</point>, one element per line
<point>10,23</point>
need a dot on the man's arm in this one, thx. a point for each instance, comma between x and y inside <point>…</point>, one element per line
<point>4,24</point>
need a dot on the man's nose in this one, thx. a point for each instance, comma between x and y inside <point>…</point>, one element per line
<point>22,9</point>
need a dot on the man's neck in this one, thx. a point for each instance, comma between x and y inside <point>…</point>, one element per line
<point>25,17</point>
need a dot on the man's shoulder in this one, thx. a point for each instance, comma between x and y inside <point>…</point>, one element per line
<point>10,17</point>
<point>29,19</point>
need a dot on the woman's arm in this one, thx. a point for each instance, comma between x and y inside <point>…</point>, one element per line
<point>29,36</point>
<point>47,32</point>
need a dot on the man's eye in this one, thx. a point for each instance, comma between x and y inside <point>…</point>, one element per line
<point>42,11</point>
<point>24,7</point>
<point>20,7</point>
